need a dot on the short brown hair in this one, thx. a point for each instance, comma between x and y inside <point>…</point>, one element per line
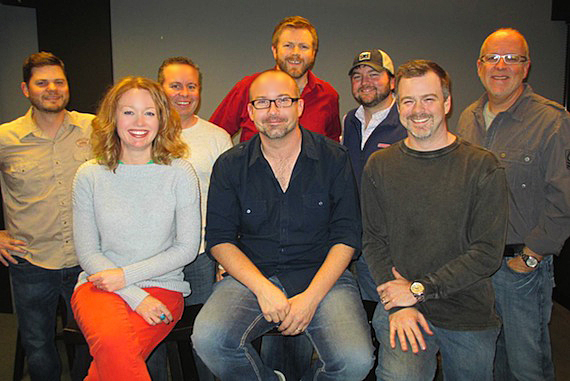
<point>178,61</point>
<point>296,22</point>
<point>419,68</point>
<point>38,60</point>
<point>168,143</point>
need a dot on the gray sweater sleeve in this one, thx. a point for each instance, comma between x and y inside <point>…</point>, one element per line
<point>375,242</point>
<point>486,235</point>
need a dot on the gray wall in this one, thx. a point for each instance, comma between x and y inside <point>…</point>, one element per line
<point>18,39</point>
<point>231,39</point>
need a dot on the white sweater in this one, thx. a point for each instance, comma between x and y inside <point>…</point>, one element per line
<point>144,219</point>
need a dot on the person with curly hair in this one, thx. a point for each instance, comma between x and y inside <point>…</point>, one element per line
<point>136,211</point>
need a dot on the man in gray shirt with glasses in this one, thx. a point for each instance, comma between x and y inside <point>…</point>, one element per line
<point>531,137</point>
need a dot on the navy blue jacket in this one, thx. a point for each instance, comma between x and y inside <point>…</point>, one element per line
<point>387,133</point>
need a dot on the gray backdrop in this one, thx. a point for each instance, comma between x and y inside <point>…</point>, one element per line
<point>231,39</point>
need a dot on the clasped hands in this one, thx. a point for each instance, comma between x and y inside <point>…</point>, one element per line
<point>152,310</point>
<point>294,313</point>
<point>405,323</point>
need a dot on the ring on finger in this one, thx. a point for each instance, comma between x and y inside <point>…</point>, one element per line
<point>162,317</point>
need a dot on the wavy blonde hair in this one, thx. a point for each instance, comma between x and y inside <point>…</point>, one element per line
<point>166,146</point>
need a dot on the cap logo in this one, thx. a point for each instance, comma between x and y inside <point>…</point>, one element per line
<point>364,56</point>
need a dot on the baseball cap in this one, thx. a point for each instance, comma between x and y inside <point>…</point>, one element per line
<point>377,59</point>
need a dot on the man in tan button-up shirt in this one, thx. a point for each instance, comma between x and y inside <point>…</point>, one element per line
<point>39,155</point>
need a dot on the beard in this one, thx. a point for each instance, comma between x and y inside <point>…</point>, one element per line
<point>39,105</point>
<point>275,131</point>
<point>420,133</point>
<point>379,97</point>
<point>295,73</point>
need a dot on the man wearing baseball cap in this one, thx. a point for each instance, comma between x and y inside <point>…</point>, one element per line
<point>374,125</point>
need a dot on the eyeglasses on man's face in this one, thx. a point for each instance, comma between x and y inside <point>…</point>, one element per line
<point>281,102</point>
<point>509,58</point>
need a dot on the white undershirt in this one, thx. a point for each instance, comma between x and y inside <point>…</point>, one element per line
<point>488,115</point>
<point>377,118</point>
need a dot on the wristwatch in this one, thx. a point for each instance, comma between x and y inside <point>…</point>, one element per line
<point>529,260</point>
<point>418,290</point>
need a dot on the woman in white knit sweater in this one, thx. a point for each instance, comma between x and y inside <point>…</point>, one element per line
<point>136,211</point>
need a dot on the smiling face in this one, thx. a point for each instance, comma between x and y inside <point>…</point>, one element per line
<point>137,123</point>
<point>182,85</point>
<point>275,122</point>
<point>370,87</point>
<point>294,52</point>
<point>503,82</point>
<point>423,107</point>
<point>47,89</point>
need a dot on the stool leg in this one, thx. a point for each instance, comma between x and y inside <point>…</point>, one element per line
<point>174,362</point>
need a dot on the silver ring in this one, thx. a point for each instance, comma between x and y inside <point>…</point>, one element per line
<point>162,317</point>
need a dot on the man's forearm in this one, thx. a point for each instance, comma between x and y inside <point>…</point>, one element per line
<point>336,262</point>
<point>238,265</point>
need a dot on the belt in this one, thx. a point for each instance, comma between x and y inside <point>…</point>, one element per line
<point>513,250</point>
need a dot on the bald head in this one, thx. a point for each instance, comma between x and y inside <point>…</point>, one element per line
<point>505,35</point>
<point>273,78</point>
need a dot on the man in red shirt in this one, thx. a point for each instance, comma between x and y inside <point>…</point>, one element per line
<point>294,45</point>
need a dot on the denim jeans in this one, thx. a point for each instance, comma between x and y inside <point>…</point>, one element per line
<point>524,303</point>
<point>231,319</point>
<point>466,355</point>
<point>36,296</point>
<point>201,274</point>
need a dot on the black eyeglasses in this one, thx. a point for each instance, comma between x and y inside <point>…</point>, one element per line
<point>509,58</point>
<point>282,102</point>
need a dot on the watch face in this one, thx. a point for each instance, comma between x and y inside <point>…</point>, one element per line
<point>531,261</point>
<point>417,288</point>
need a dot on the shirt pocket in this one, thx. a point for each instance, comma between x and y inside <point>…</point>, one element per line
<point>26,177</point>
<point>315,210</point>
<point>82,154</point>
<point>254,216</point>
<point>520,168</point>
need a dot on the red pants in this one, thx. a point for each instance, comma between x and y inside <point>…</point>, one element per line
<point>119,339</point>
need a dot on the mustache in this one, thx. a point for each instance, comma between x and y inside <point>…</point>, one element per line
<point>294,56</point>
<point>421,115</point>
<point>273,119</point>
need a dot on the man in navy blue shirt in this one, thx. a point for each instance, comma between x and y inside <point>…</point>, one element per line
<point>374,125</point>
<point>283,219</point>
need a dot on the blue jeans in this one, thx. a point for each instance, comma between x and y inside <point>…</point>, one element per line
<point>36,296</point>
<point>365,281</point>
<point>466,355</point>
<point>201,274</point>
<point>524,303</point>
<point>231,319</point>
<point>291,355</point>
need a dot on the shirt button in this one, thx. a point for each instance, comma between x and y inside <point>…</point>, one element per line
<point>526,159</point>
<point>320,203</point>
<point>248,211</point>
<point>503,155</point>
<point>57,162</point>
<point>281,250</point>
<point>523,185</point>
